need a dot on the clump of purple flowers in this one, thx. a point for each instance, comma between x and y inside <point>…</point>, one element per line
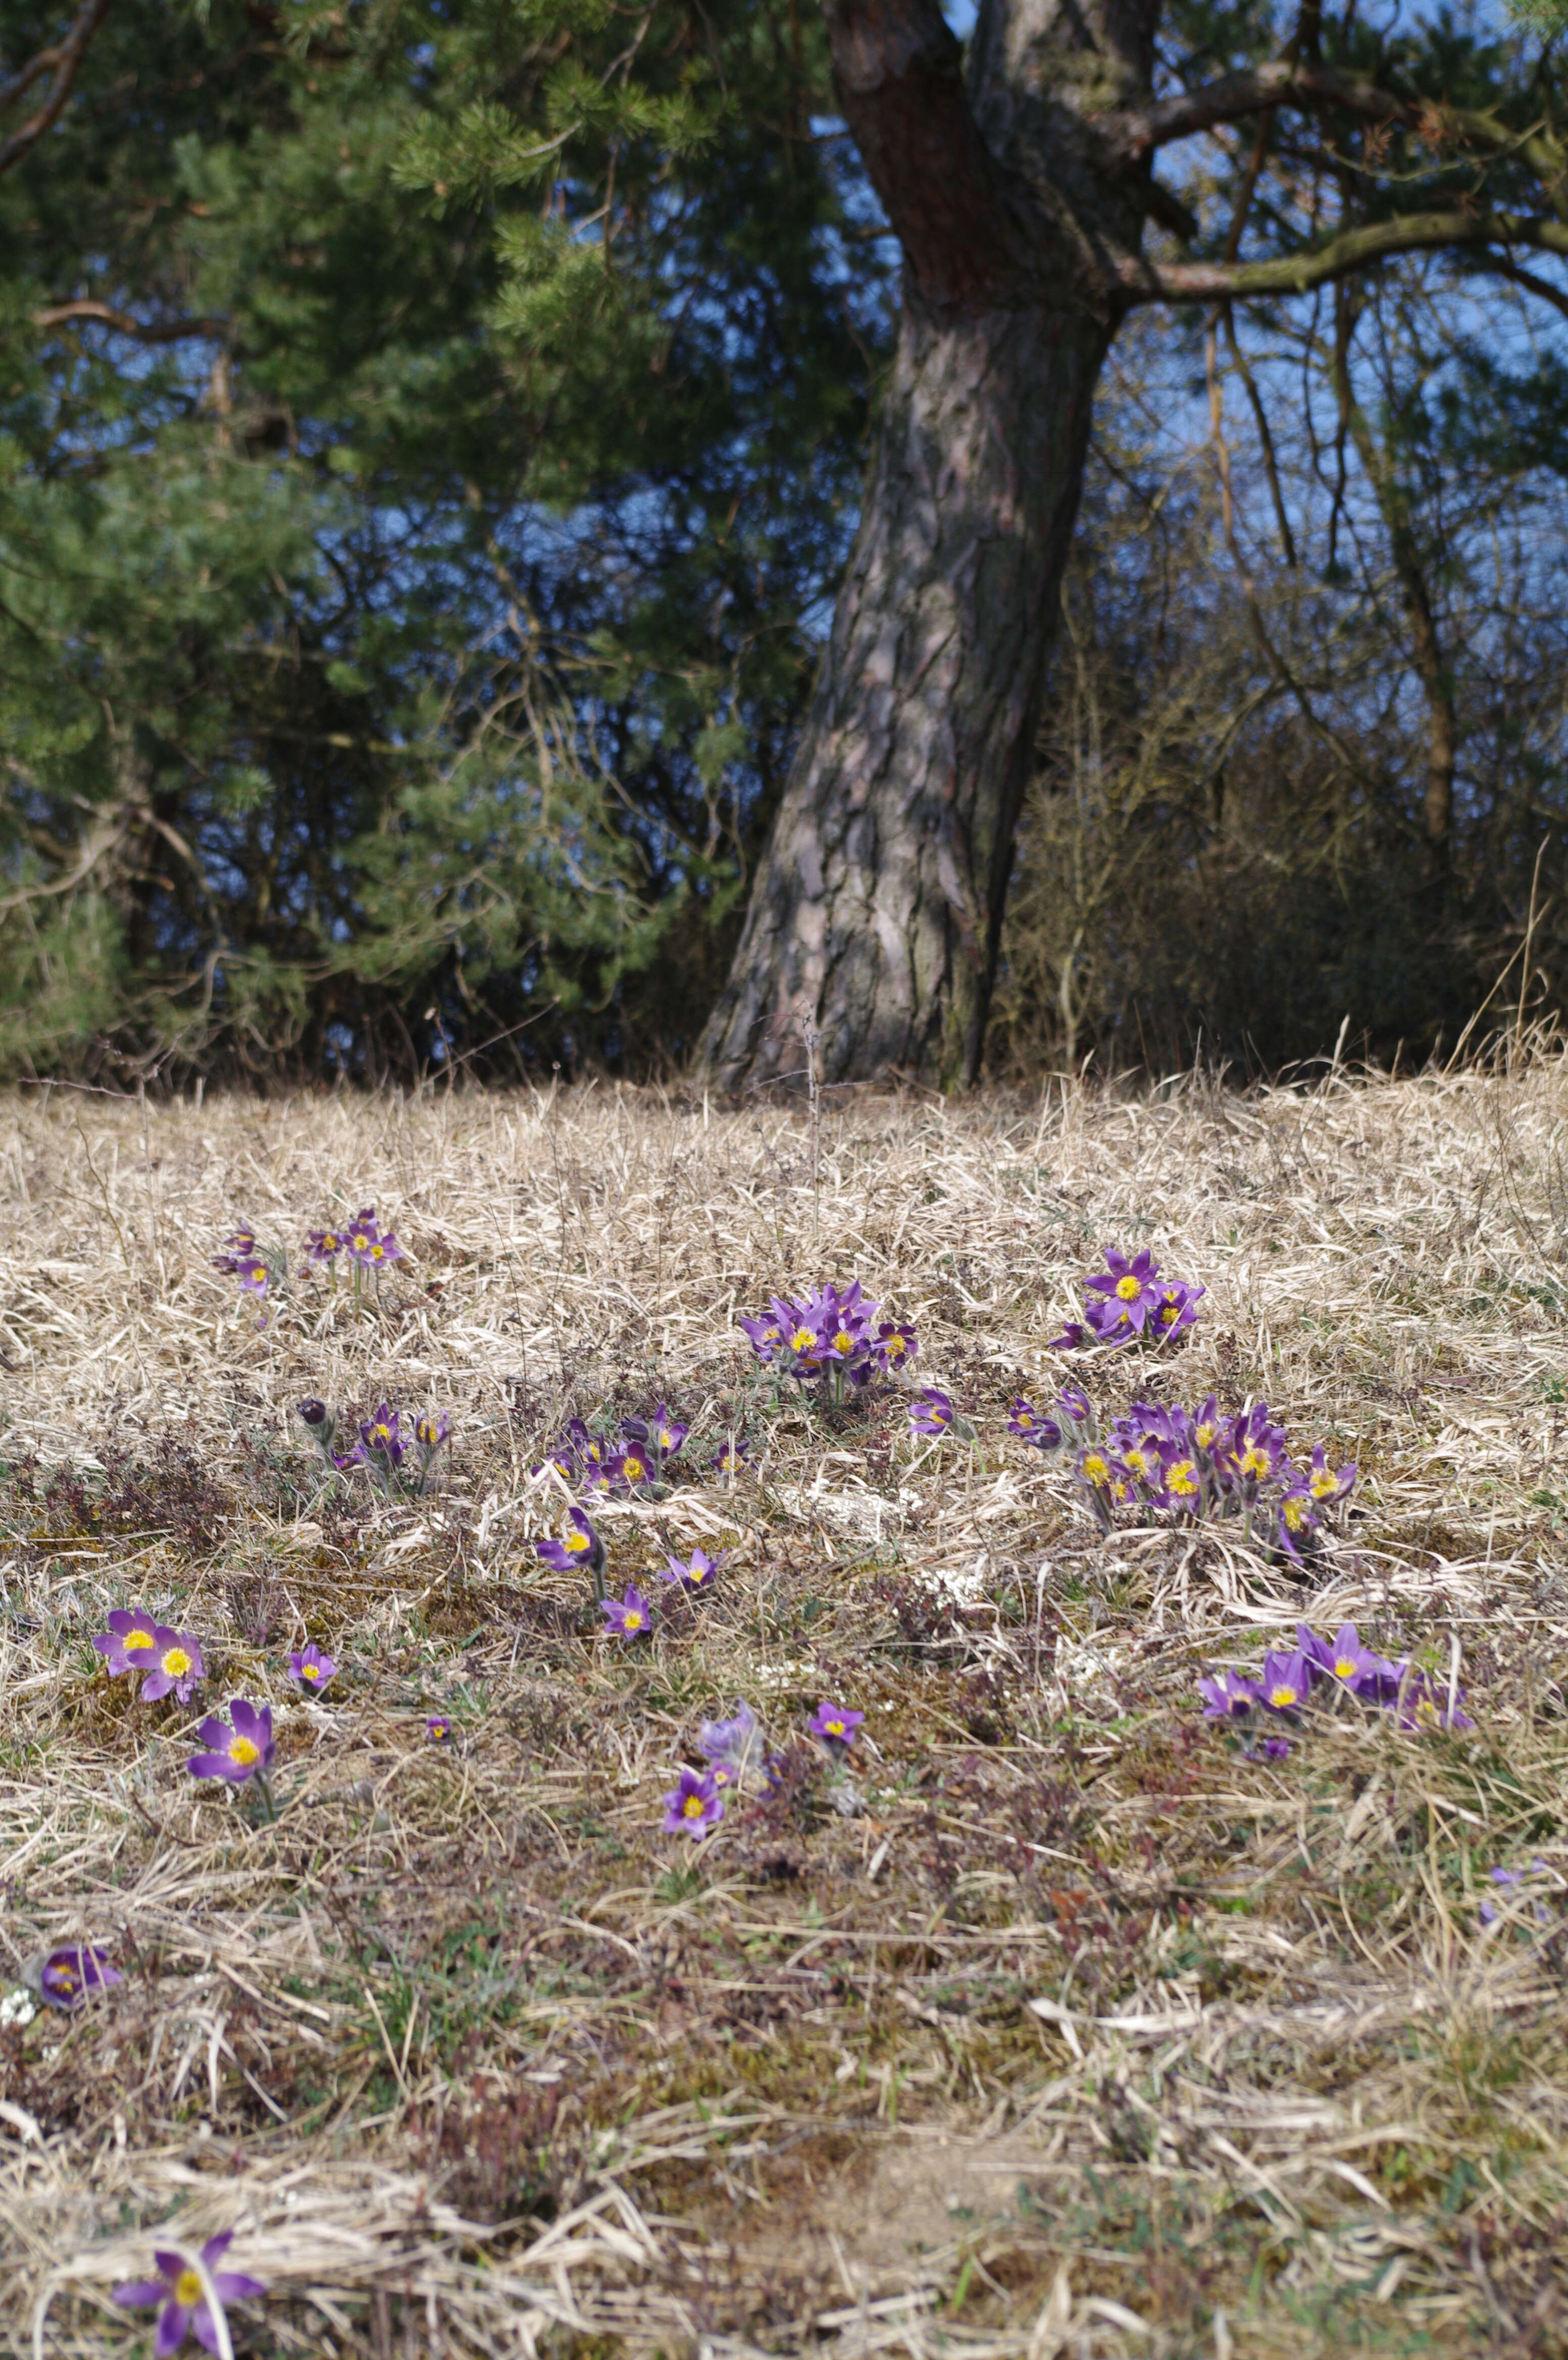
<point>1197,1465</point>
<point>1128,1301</point>
<point>386,1445</point>
<point>638,1462</point>
<point>830,1336</point>
<point>1291,1678</point>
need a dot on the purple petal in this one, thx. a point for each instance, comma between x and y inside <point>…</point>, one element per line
<point>141,2292</point>
<point>172,2322</point>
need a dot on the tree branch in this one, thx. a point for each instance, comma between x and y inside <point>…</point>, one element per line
<point>1296,274</point>
<point>63,62</point>
<point>146,332</point>
<point>1128,137</point>
<point>897,69</point>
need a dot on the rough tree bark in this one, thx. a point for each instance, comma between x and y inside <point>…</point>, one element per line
<point>877,911</point>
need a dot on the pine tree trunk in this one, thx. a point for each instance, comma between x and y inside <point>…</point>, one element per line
<point>877,911</point>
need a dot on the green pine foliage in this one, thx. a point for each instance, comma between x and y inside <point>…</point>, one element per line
<point>401,638</point>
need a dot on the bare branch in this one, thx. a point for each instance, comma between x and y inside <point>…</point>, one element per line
<point>1135,132</point>
<point>146,332</point>
<point>63,62</point>
<point>1145,282</point>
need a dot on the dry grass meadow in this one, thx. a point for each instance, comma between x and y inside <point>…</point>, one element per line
<point>472,2056</point>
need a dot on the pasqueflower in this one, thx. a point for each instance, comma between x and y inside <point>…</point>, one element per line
<point>694,1806</point>
<point>73,1971</point>
<point>630,1617</point>
<point>581,1546</point>
<point>1130,1286</point>
<point>834,1724</point>
<point>1026,1425</point>
<point>172,1664</point>
<point>313,1667</point>
<point>237,1753</point>
<point>128,1627</point>
<point>698,1572</point>
<point>178,2288</point>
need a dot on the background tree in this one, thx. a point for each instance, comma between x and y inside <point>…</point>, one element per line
<point>1018,188</point>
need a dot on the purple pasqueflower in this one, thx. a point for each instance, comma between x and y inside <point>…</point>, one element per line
<point>657,1438</point>
<point>361,1235</point>
<point>1183,1480</point>
<point>1298,1520</point>
<point>430,1432</point>
<point>381,1436</point>
<point>178,2288</point>
<point>1268,1749</point>
<point>72,1972</point>
<point>631,1617</point>
<point>438,1728</point>
<point>1070,1339</point>
<point>1287,1680</point>
<point>766,1334</point>
<point>895,1342</point>
<point>834,1724</point>
<point>382,1250</point>
<point>1177,1308</point>
<point>581,1546</point>
<point>319,1422</point>
<point>1253,1451</point>
<point>1025,1425</point>
<point>313,1667</point>
<point>1130,1286</point>
<point>694,1806</point>
<point>933,1412</point>
<point>1206,1429</point>
<point>253,1277</point>
<point>1327,1485</point>
<point>1227,1695</point>
<point>1104,1478</point>
<point>729,1455</point>
<point>1344,1660</point>
<point>323,1245</point>
<point>1144,1462</point>
<point>842,1323</point>
<point>172,1662</point>
<point>700,1573</point>
<point>731,1745</point>
<point>239,1753</point>
<point>1420,1703</point>
<point>633,1469</point>
<point>128,1627</point>
<point>1076,1411</point>
<point>241,1249</point>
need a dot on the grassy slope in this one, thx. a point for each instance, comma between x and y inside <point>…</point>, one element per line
<point>474,2058</point>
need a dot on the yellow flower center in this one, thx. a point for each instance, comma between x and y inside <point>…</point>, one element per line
<point>894,1346</point>
<point>843,1341</point>
<point>694,1806</point>
<point>1129,1288</point>
<point>1427,1714</point>
<point>1296,1514</point>
<point>633,1621</point>
<point>802,1340</point>
<point>1205,1435</point>
<point>833,1728</point>
<point>1282,1696</point>
<point>67,1978</point>
<point>1025,1418</point>
<point>137,1639</point>
<point>1323,1483</point>
<point>1182,1478</point>
<point>188,2289</point>
<point>1096,1469</point>
<point>377,1253</point>
<point>634,1470</point>
<point>1138,1460</point>
<point>244,1751</point>
<point>1345,1668</point>
<point>309,1671</point>
<point>666,1439</point>
<point>1170,1312</point>
<point>576,1542</point>
<point>176,1662</point>
<point>1254,1462</point>
<point>360,1243</point>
